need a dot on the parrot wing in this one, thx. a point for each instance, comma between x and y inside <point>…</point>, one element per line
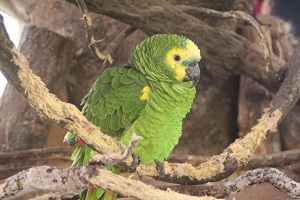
<point>114,100</point>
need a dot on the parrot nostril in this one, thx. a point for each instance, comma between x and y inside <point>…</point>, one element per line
<point>194,64</point>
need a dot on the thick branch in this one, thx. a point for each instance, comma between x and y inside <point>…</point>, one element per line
<point>72,181</point>
<point>15,68</point>
<point>279,159</point>
<point>289,91</point>
<point>60,157</point>
<point>19,122</point>
<point>281,104</point>
<point>220,48</point>
<point>267,175</point>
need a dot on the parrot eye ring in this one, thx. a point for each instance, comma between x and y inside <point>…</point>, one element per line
<point>177,58</point>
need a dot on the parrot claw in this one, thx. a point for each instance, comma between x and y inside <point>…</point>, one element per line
<point>135,163</point>
<point>161,169</point>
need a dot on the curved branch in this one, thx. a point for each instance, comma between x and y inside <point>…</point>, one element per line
<point>71,181</point>
<point>14,67</point>
<point>289,91</point>
<point>229,54</point>
<point>279,159</point>
<point>60,157</point>
<point>267,175</point>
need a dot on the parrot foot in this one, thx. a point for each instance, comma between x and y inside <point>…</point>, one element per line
<point>161,169</point>
<point>135,163</point>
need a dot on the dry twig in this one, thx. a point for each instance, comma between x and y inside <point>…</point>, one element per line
<point>109,50</point>
<point>90,33</point>
<point>106,54</point>
<point>128,30</point>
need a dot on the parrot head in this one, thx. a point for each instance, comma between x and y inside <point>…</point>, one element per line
<point>167,57</point>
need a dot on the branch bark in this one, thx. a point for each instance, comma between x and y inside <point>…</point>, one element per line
<point>241,55</point>
<point>15,68</point>
<point>50,56</point>
<point>71,181</point>
<point>267,175</point>
<point>279,159</point>
<point>60,157</point>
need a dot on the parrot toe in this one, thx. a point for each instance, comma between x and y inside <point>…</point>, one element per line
<point>161,169</point>
<point>135,163</point>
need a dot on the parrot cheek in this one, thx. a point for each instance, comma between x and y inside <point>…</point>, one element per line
<point>192,74</point>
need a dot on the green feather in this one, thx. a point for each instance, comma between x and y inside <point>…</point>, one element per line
<point>105,88</point>
<point>133,73</point>
<point>104,78</point>
<point>104,124</point>
<point>126,80</point>
<point>114,122</point>
<point>115,83</point>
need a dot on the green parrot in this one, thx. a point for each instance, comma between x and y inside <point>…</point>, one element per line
<point>149,96</point>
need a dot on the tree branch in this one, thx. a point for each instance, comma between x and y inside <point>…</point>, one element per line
<point>90,33</point>
<point>279,159</point>
<point>154,17</point>
<point>14,67</point>
<point>128,30</point>
<point>60,157</point>
<point>267,175</point>
<point>108,51</point>
<point>289,91</point>
<point>116,158</point>
<point>71,181</point>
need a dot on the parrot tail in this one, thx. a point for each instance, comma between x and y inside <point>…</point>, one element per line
<point>81,157</point>
<point>97,194</point>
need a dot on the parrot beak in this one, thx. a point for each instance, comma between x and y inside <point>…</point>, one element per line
<point>192,74</point>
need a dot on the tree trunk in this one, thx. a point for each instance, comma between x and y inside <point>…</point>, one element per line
<point>49,56</point>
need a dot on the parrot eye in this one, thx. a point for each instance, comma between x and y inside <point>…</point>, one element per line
<point>177,58</point>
